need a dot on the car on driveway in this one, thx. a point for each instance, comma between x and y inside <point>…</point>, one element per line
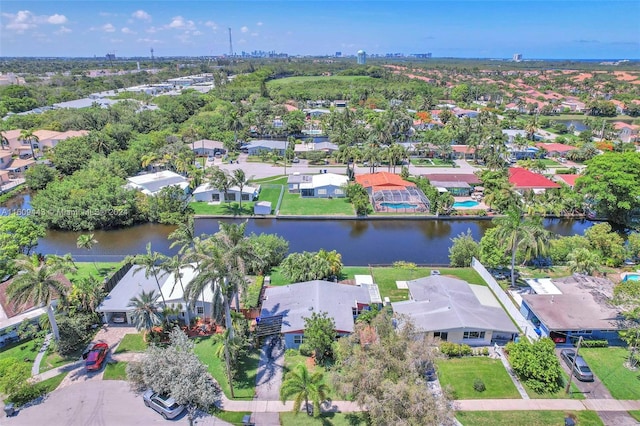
<point>580,368</point>
<point>166,406</point>
<point>95,356</point>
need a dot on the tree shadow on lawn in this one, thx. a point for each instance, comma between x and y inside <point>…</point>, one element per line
<point>234,209</point>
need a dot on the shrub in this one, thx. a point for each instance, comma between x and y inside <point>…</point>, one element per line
<point>305,350</point>
<point>291,352</point>
<point>75,332</point>
<point>25,393</point>
<point>479,386</point>
<point>401,264</point>
<point>595,343</point>
<point>455,349</point>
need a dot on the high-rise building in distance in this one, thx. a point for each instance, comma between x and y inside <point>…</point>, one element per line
<point>517,57</point>
<point>362,57</point>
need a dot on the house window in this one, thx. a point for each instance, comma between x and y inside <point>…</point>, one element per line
<point>230,197</point>
<point>442,335</point>
<point>298,339</point>
<point>306,192</point>
<point>322,192</point>
<point>245,197</point>
<point>473,335</point>
<point>200,310</point>
<point>215,197</point>
<point>339,192</point>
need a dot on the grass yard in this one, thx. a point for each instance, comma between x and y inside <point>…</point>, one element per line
<point>528,418</point>
<point>294,204</point>
<point>23,351</point>
<point>460,373</point>
<point>348,272</point>
<point>117,371</point>
<point>233,209</point>
<point>85,269</point>
<point>233,417</point>
<point>608,365</point>
<point>132,343</point>
<point>326,419</point>
<point>245,382</point>
<point>560,394</point>
<point>293,358</point>
<point>54,360</point>
<point>274,180</point>
<point>549,163</point>
<point>635,415</point>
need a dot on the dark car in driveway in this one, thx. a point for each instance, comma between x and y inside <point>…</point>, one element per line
<point>581,369</point>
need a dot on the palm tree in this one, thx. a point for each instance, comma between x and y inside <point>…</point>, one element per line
<point>145,314</point>
<point>583,261</point>
<point>4,142</point>
<point>184,235</point>
<point>29,136</point>
<point>220,180</point>
<point>174,265</point>
<point>235,124</point>
<point>304,386</point>
<point>151,262</point>
<point>519,232</point>
<point>86,241</point>
<point>38,282</point>
<point>240,180</point>
<point>87,292</point>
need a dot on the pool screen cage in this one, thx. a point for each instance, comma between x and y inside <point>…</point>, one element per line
<point>406,200</point>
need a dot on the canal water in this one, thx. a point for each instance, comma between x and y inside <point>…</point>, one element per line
<point>361,242</point>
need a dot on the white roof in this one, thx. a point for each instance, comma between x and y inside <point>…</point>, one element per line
<point>172,290</point>
<point>325,179</point>
<point>206,187</point>
<point>363,279</point>
<point>152,183</point>
<point>543,286</point>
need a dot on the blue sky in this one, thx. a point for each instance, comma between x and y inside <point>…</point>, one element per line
<point>605,29</point>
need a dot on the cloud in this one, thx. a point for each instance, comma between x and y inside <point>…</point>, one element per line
<point>57,19</point>
<point>244,29</point>
<point>25,20</point>
<point>211,25</point>
<point>62,30</point>
<point>197,33</point>
<point>108,28</point>
<point>107,14</point>
<point>152,30</point>
<point>586,41</point>
<point>180,23</point>
<point>149,41</point>
<point>255,34</point>
<point>259,24</point>
<point>126,30</point>
<point>116,40</point>
<point>142,15</point>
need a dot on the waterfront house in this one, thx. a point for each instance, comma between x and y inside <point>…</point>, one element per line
<point>455,311</point>
<point>206,147</point>
<point>18,166</point>
<point>556,149</point>
<point>627,132</point>
<point>258,146</point>
<point>153,183</point>
<point>378,181</point>
<point>285,308</point>
<point>524,180</point>
<point>209,193</point>
<point>458,184</point>
<point>567,308</point>
<point>324,185</point>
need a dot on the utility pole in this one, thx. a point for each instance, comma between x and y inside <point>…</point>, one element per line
<point>573,365</point>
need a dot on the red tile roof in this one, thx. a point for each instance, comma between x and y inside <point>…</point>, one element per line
<point>382,180</point>
<point>525,179</point>
<point>568,179</point>
<point>463,149</point>
<point>555,147</point>
<point>11,309</point>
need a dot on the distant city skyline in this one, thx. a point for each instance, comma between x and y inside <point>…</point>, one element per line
<point>606,29</point>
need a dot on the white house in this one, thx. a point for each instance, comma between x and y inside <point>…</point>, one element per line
<point>206,192</point>
<point>153,183</point>
<point>206,147</point>
<point>258,146</point>
<point>324,185</point>
<point>453,310</point>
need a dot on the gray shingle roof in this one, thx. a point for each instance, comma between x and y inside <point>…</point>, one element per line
<point>443,303</point>
<point>296,302</point>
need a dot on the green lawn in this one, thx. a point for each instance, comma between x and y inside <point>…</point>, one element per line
<point>51,384</point>
<point>54,360</point>
<point>608,365</point>
<point>528,418</point>
<point>117,371</point>
<point>132,343</point>
<point>635,415</point>
<point>85,269</point>
<point>233,417</point>
<point>326,419</point>
<point>233,209</point>
<point>24,351</point>
<point>386,277</point>
<point>245,382</point>
<point>549,163</point>
<point>460,373</point>
<point>274,180</point>
<point>293,358</point>
<point>431,162</point>
<point>294,204</point>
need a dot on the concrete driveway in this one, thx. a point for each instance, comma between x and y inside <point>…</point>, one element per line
<point>270,370</point>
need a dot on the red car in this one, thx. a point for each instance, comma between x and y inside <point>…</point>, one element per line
<point>95,356</point>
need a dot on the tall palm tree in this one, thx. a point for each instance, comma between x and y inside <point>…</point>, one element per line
<point>184,235</point>
<point>145,314</point>
<point>240,180</point>
<point>87,292</point>
<point>86,241</point>
<point>174,266</point>
<point>304,386</point>
<point>38,282</point>
<point>151,262</point>
<point>29,136</point>
<point>583,261</point>
<point>521,232</point>
<point>220,180</point>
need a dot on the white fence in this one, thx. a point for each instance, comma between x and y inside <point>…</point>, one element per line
<point>525,325</point>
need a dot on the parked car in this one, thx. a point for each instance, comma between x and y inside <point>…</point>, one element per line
<point>95,355</point>
<point>435,272</point>
<point>580,369</point>
<point>119,318</point>
<point>165,405</point>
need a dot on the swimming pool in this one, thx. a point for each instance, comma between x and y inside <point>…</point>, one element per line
<point>465,204</point>
<point>399,205</point>
<point>632,277</point>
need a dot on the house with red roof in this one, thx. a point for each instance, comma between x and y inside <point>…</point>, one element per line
<point>627,132</point>
<point>526,180</point>
<point>569,180</point>
<point>382,180</point>
<point>556,149</point>
<point>463,152</point>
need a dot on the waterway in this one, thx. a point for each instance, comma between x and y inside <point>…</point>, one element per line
<point>361,242</point>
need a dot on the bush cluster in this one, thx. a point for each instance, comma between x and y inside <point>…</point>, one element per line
<point>595,343</point>
<point>454,349</point>
<point>479,386</point>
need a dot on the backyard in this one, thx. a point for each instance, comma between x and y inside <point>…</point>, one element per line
<point>86,269</point>
<point>267,193</point>
<point>294,204</point>
<point>528,418</point>
<point>608,365</point>
<point>245,381</point>
<point>461,373</point>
